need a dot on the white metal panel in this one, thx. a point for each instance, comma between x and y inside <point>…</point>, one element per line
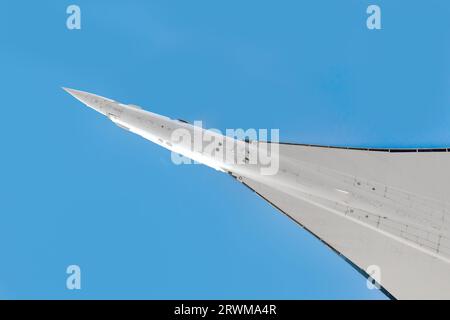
<point>409,270</point>
<point>423,173</point>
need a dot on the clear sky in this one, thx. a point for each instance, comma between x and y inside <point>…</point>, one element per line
<point>75,189</point>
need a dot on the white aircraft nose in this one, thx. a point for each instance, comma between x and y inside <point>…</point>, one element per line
<point>79,95</point>
<point>93,101</point>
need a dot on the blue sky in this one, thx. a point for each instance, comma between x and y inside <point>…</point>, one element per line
<point>75,189</point>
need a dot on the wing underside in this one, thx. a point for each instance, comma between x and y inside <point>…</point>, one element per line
<point>406,235</point>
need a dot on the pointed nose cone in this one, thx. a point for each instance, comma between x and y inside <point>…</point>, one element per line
<point>93,101</point>
<point>79,95</point>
